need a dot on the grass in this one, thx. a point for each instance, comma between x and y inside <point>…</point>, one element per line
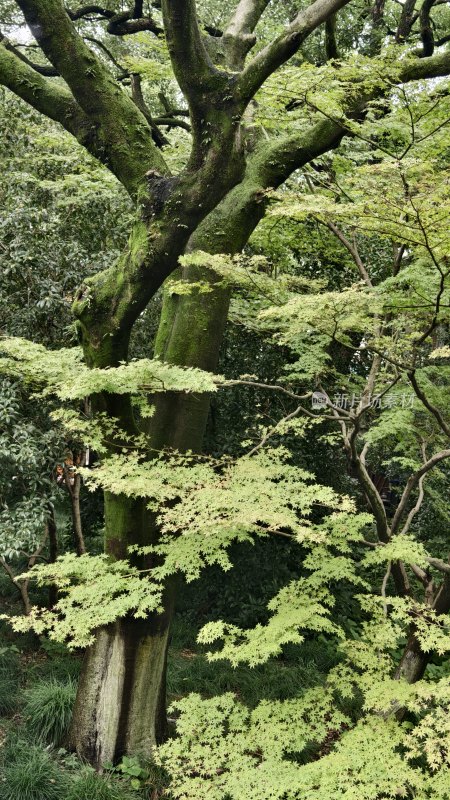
<point>48,709</point>
<point>276,680</point>
<point>32,775</point>
<point>91,786</point>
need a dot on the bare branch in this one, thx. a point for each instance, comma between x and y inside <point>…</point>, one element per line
<point>352,249</point>
<point>193,68</point>
<point>123,73</point>
<point>411,484</point>
<point>270,386</point>
<point>415,510</point>
<point>238,36</point>
<point>138,97</point>
<point>275,430</point>
<point>428,405</point>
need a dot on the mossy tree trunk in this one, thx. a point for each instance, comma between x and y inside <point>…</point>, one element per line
<point>190,334</point>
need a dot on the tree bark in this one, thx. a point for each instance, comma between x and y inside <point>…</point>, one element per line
<point>120,703</point>
<point>414,660</point>
<point>120,706</point>
<point>52,554</point>
<point>77,526</point>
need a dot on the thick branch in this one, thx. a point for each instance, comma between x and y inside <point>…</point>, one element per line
<point>426,28</point>
<point>43,69</point>
<point>88,10</point>
<point>122,24</point>
<point>238,36</point>
<point>285,46</point>
<point>437,66</point>
<point>406,21</point>
<point>125,24</point>
<point>440,565</point>
<point>129,150</point>
<point>47,97</point>
<point>376,32</point>
<point>193,68</point>
<point>331,47</point>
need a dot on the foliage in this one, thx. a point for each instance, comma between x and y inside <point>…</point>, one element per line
<point>92,592</point>
<point>9,679</point>
<point>29,448</point>
<point>63,373</point>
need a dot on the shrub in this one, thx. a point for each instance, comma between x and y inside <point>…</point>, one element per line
<point>33,776</point>
<point>9,661</point>
<point>60,665</point>
<point>91,786</point>
<point>9,679</point>
<point>48,709</point>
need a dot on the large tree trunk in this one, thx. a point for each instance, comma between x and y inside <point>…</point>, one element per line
<point>190,334</point>
<point>120,704</point>
<point>121,697</point>
<point>121,700</point>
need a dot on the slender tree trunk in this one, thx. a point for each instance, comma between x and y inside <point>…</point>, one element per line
<point>73,483</point>
<point>52,553</point>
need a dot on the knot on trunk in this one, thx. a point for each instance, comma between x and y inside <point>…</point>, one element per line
<point>160,187</point>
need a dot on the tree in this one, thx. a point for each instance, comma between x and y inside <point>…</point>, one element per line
<point>213,203</point>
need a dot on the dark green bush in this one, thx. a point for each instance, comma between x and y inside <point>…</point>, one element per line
<point>48,709</point>
<point>9,679</point>
<point>8,695</point>
<point>61,664</point>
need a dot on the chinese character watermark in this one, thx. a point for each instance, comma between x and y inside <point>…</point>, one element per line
<point>350,402</point>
